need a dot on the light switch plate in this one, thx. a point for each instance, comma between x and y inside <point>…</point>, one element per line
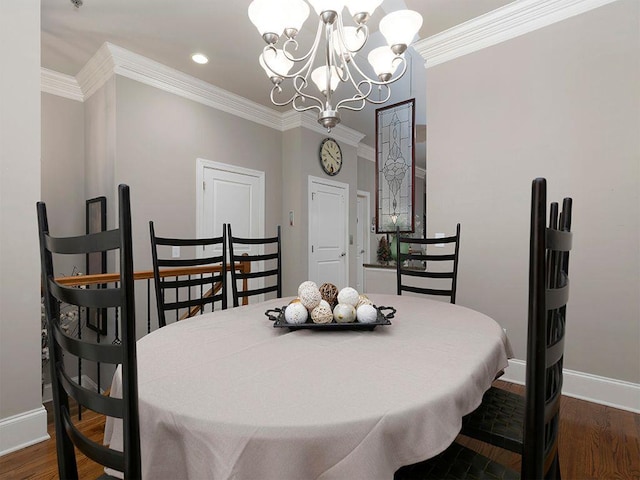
<point>175,252</point>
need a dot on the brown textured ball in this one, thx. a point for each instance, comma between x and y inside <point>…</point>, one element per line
<point>329,293</point>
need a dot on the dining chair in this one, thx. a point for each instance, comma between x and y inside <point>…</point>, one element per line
<point>189,274</point>
<point>532,420</point>
<point>120,304</point>
<point>254,266</point>
<point>415,272</point>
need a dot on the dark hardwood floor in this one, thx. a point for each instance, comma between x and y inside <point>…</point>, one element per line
<point>596,442</point>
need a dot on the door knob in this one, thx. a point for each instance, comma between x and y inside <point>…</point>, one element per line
<point>361,251</point>
<point>343,254</point>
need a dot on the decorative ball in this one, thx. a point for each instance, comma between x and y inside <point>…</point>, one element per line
<point>307,284</point>
<point>363,300</point>
<point>296,313</point>
<point>329,292</point>
<point>310,297</point>
<point>344,313</point>
<point>366,314</point>
<point>349,296</point>
<point>322,313</point>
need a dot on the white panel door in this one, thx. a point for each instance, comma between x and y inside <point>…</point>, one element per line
<point>328,227</point>
<point>230,194</point>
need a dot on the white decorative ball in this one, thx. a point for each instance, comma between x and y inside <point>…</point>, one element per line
<point>307,284</point>
<point>363,300</point>
<point>310,297</point>
<point>349,296</point>
<point>296,313</point>
<point>344,313</point>
<point>367,314</point>
<point>322,313</point>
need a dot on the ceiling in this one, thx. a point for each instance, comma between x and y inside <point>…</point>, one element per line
<point>169,31</point>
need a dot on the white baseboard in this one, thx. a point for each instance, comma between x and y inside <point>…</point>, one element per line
<point>23,430</point>
<point>592,388</point>
<point>27,428</point>
<point>87,382</point>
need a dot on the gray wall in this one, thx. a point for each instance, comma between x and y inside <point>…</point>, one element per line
<point>299,161</point>
<point>562,103</point>
<point>159,137</point>
<point>20,390</point>
<point>63,172</point>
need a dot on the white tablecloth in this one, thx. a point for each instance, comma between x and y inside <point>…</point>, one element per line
<point>226,395</point>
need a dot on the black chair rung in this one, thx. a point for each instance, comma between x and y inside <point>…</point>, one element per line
<point>260,266</point>
<point>423,272</point>
<point>171,290</point>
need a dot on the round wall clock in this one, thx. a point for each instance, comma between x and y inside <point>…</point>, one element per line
<point>330,156</point>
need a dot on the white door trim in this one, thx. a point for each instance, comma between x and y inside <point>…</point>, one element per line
<point>201,165</point>
<point>367,231</point>
<point>340,185</point>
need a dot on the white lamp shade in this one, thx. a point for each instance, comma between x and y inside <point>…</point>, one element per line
<point>295,12</point>
<point>325,5</point>
<point>267,16</point>
<point>381,59</point>
<point>399,28</point>
<point>353,40</point>
<point>278,63</point>
<point>362,6</point>
<point>319,77</point>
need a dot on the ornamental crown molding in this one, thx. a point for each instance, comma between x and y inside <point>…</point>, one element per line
<point>308,120</point>
<point>59,84</point>
<point>367,152</point>
<point>500,25</point>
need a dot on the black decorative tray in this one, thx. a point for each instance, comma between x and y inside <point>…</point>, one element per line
<point>276,315</point>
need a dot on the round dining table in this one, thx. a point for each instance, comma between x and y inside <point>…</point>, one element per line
<point>225,395</point>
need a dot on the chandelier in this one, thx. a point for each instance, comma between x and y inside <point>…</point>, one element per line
<point>337,45</point>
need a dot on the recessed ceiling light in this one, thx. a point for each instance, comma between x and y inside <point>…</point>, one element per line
<point>199,58</point>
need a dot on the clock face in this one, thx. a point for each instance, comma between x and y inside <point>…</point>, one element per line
<point>330,156</point>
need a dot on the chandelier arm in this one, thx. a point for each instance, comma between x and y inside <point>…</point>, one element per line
<point>342,103</point>
<point>343,37</point>
<point>304,109</point>
<point>311,51</point>
<point>300,94</point>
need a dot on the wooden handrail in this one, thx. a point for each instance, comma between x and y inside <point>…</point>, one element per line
<point>79,280</point>
<point>101,278</point>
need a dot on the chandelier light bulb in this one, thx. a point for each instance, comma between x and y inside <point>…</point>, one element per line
<point>353,42</point>
<point>275,64</point>
<point>267,18</point>
<point>399,28</point>
<point>382,61</point>
<point>294,13</point>
<point>319,77</point>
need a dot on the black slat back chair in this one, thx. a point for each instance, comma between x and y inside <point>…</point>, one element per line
<point>441,281</point>
<point>188,293</point>
<point>61,345</point>
<point>535,417</point>
<point>270,272</point>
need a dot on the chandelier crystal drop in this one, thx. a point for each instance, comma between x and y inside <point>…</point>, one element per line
<point>315,76</point>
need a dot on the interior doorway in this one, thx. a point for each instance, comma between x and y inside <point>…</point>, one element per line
<point>328,231</point>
